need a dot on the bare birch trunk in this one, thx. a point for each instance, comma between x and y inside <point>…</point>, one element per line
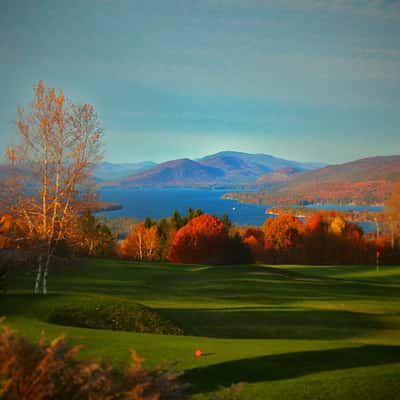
<point>45,274</point>
<point>38,275</point>
<point>91,247</point>
<point>377,229</point>
<point>140,246</point>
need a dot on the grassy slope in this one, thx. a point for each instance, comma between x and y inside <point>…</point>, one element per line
<point>292,332</point>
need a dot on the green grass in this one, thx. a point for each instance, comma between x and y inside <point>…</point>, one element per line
<point>290,332</point>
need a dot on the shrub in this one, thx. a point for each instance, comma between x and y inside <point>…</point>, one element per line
<point>121,317</point>
<point>52,372</point>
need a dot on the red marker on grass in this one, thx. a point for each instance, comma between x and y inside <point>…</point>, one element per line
<point>198,353</point>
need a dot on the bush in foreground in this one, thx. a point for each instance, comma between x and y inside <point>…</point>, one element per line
<point>51,371</point>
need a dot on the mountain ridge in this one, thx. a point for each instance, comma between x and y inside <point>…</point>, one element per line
<point>105,170</point>
<point>224,168</point>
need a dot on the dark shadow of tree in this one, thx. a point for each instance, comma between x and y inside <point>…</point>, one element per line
<point>270,323</point>
<point>288,365</point>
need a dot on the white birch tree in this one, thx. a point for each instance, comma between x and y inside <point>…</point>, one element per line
<point>49,183</point>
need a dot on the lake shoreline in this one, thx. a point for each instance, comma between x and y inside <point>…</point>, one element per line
<point>159,203</point>
<point>232,196</point>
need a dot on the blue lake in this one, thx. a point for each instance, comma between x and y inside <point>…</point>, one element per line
<point>158,203</point>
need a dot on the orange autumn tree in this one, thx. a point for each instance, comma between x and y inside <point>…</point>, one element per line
<point>283,236</point>
<point>317,239</point>
<point>13,234</point>
<point>7,231</point>
<point>141,244</point>
<point>255,239</point>
<point>203,240</point>
<point>50,171</point>
<point>330,239</point>
<point>348,241</point>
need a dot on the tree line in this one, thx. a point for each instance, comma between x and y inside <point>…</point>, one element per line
<point>323,238</point>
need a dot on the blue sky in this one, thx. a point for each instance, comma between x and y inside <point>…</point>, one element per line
<point>310,80</point>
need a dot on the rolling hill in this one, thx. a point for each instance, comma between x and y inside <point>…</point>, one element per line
<point>365,181</point>
<point>281,175</point>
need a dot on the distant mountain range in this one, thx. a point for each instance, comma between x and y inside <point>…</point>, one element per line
<point>106,171</point>
<point>277,181</point>
<point>365,181</point>
<point>225,168</point>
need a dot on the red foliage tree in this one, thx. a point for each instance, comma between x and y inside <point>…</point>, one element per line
<point>202,241</point>
<point>316,224</point>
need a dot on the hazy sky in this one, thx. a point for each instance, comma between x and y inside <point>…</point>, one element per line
<point>310,80</point>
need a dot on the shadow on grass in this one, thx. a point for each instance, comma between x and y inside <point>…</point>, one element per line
<point>288,365</point>
<point>274,323</point>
